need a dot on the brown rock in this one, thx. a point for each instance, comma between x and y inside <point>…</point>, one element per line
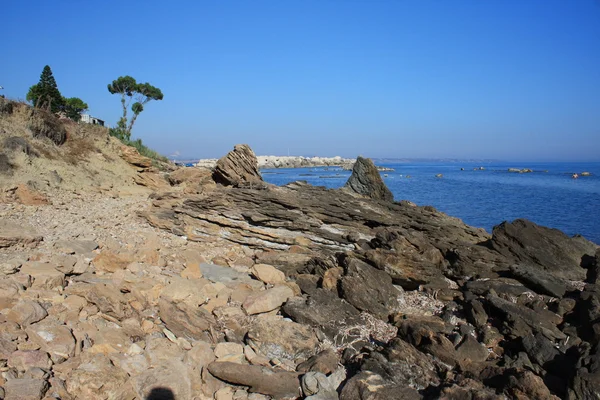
<point>131,156</point>
<point>238,167</point>
<point>109,300</point>
<point>325,362</point>
<point>267,274</point>
<point>268,300</point>
<point>30,197</point>
<point>97,378</point>
<point>331,278</point>
<point>264,380</point>
<point>26,312</point>
<point>111,262</point>
<point>227,348</point>
<point>185,320</point>
<point>194,180</point>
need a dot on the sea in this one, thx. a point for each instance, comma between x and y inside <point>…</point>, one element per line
<point>484,194</point>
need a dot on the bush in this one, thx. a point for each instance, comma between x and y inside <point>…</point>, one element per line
<point>137,144</point>
<point>6,106</point>
<point>45,124</point>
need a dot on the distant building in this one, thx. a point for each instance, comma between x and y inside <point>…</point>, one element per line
<point>88,119</point>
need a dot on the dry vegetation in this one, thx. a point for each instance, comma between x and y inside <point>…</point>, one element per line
<point>36,146</point>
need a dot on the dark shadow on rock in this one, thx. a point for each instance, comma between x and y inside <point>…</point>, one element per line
<point>161,393</point>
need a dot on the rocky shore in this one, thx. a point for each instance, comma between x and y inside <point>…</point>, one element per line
<point>164,283</point>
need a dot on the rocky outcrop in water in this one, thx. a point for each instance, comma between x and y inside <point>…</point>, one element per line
<point>366,181</point>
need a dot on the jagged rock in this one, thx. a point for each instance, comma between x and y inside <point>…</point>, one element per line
<point>539,281</point>
<point>238,167</point>
<point>134,158</point>
<point>325,362</point>
<point>109,300</point>
<point>551,249</point>
<point>526,385</point>
<point>264,380</point>
<point>274,337</point>
<point>324,310</point>
<point>12,234</point>
<point>185,320</point>
<point>366,181</point>
<point>368,289</point>
<point>520,321</point>
<point>370,386</point>
<point>411,260</point>
<point>402,364</point>
<point>26,312</point>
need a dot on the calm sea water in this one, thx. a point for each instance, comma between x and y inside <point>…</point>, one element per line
<point>484,198</point>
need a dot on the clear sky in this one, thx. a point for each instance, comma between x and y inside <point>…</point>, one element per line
<point>503,79</point>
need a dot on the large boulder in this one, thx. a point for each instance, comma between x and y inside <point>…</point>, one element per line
<point>238,167</point>
<point>555,252</point>
<point>366,181</point>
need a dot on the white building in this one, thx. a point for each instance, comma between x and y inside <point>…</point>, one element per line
<point>88,119</point>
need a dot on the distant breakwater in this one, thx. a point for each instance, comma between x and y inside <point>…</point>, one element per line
<point>265,162</point>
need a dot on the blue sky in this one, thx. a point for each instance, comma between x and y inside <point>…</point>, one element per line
<point>503,79</point>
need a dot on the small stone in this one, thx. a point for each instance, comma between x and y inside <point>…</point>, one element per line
<point>170,335</point>
<point>267,300</point>
<point>223,349</point>
<point>267,274</point>
<point>225,393</point>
